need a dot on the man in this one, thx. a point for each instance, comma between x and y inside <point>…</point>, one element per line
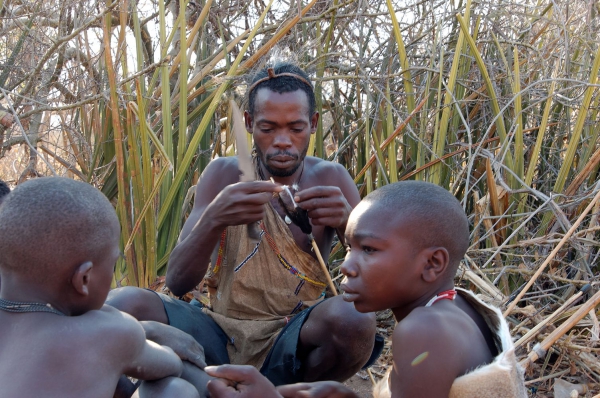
<point>259,288</point>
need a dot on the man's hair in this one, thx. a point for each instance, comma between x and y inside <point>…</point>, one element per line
<point>435,215</point>
<point>282,84</point>
<point>51,224</point>
<point>4,190</point>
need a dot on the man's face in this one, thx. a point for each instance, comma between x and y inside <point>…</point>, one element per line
<point>281,127</point>
<point>380,267</point>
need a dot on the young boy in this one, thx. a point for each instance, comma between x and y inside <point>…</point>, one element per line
<point>59,241</point>
<point>405,242</point>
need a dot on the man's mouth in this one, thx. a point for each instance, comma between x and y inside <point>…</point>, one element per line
<point>282,158</point>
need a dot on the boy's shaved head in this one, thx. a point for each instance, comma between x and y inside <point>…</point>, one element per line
<point>435,216</point>
<point>51,225</point>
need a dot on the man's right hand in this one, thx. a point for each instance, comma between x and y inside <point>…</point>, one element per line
<point>241,203</point>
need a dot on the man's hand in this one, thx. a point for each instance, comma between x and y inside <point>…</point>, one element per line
<point>326,206</point>
<point>184,345</point>
<point>242,203</point>
<point>239,381</point>
<point>320,389</point>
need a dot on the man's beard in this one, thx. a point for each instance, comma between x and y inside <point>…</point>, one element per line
<point>279,172</point>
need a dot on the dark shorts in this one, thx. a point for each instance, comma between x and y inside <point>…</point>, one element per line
<point>281,365</point>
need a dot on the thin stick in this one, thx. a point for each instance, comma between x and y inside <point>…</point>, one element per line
<point>533,332</point>
<point>551,256</point>
<point>323,266</point>
<point>540,349</point>
<point>371,377</point>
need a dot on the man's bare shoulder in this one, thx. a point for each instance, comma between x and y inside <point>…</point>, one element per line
<point>219,173</point>
<point>326,170</point>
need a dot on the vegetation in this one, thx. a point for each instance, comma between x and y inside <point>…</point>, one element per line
<point>495,101</point>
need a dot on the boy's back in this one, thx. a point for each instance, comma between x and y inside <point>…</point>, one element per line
<point>59,242</point>
<point>64,356</point>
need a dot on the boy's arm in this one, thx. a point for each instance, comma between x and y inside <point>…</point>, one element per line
<point>184,345</point>
<point>427,358</point>
<point>140,358</point>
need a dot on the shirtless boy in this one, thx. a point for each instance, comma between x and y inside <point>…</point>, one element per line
<point>404,243</point>
<point>59,241</point>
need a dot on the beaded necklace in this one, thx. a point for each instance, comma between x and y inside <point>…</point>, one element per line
<point>15,306</point>
<point>445,295</point>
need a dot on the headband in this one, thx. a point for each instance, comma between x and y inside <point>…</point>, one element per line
<point>272,75</point>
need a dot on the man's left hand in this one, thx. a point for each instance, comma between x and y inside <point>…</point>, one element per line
<point>326,205</point>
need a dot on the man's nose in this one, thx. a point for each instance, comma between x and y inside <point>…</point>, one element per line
<point>282,140</point>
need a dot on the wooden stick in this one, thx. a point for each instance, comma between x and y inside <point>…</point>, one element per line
<point>540,349</point>
<point>323,266</point>
<point>534,331</point>
<point>551,256</point>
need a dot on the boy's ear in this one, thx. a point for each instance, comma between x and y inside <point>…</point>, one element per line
<point>248,121</point>
<point>81,278</point>
<point>437,259</point>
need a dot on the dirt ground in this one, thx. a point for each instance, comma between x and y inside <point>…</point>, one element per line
<point>361,385</point>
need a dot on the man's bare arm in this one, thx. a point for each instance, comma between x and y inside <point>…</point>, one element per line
<point>220,201</point>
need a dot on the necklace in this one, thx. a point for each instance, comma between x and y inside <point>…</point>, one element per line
<point>14,306</point>
<point>445,295</point>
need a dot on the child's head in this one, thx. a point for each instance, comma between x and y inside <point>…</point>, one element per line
<point>60,235</point>
<point>404,241</point>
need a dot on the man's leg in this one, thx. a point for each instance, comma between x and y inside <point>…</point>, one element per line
<point>141,304</point>
<point>335,341</point>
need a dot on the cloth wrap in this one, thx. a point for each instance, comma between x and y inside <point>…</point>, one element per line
<point>255,288</point>
<point>502,378</point>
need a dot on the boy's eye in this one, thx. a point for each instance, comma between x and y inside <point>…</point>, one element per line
<point>368,249</point>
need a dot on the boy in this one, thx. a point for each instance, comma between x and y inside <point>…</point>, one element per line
<point>59,241</point>
<point>405,242</point>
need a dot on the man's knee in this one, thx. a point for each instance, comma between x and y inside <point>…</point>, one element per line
<point>351,333</point>
<point>142,304</point>
<point>168,388</point>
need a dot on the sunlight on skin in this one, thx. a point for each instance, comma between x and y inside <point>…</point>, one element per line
<point>419,359</point>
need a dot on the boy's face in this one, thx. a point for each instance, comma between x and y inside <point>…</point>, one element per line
<point>381,261</point>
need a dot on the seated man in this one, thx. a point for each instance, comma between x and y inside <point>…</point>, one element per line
<point>404,243</point>
<point>266,296</point>
<point>59,241</point>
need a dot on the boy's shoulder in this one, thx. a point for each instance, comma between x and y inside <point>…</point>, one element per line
<point>430,324</point>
